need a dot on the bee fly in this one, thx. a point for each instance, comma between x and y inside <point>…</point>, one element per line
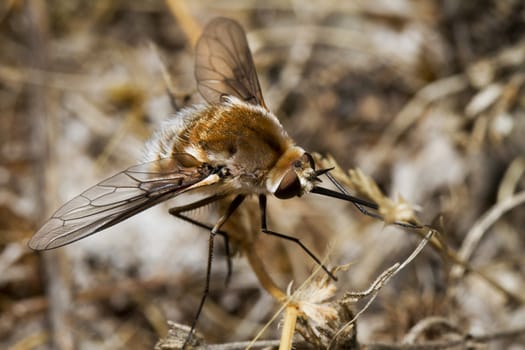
<point>226,150</point>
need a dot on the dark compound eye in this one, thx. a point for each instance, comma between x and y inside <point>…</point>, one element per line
<point>289,187</point>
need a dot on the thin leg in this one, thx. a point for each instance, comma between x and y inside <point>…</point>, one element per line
<point>224,236</point>
<point>264,229</point>
<point>215,230</point>
<point>177,212</point>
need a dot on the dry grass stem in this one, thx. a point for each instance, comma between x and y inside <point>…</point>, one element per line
<point>288,329</point>
<point>421,99</point>
<point>180,11</point>
<point>480,227</point>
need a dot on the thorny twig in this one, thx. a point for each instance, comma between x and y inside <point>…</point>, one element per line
<point>352,297</point>
<point>378,284</point>
<point>399,213</point>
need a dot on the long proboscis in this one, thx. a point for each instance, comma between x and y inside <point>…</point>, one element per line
<point>360,204</point>
<point>343,196</point>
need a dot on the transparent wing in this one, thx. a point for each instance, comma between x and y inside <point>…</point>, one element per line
<point>118,198</point>
<point>224,64</point>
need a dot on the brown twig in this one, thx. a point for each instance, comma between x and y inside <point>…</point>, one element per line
<point>466,342</point>
<point>182,14</point>
<point>481,226</point>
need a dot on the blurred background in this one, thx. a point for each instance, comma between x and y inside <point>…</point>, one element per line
<point>425,97</point>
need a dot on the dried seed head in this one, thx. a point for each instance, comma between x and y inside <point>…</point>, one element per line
<point>312,300</point>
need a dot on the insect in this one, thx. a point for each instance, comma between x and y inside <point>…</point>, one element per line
<point>223,151</point>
